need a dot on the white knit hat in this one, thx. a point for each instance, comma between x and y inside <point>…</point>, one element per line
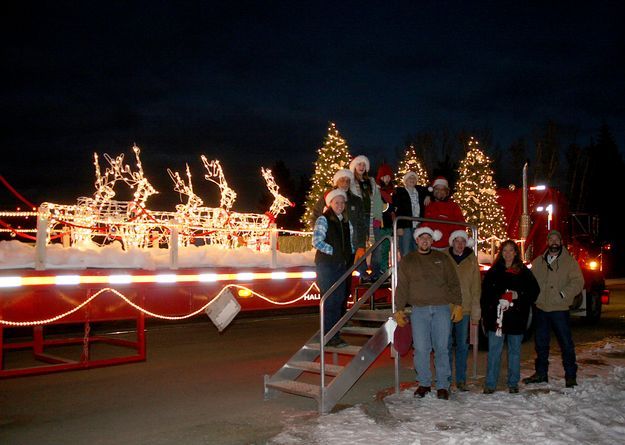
<point>409,174</point>
<point>460,234</point>
<point>342,173</point>
<point>435,234</point>
<point>333,194</point>
<point>358,159</point>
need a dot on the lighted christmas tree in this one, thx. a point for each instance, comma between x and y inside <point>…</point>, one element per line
<point>411,163</point>
<point>332,156</point>
<point>476,194</point>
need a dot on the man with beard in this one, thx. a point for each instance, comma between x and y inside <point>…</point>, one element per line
<point>560,279</point>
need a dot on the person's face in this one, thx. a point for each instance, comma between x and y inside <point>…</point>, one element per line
<point>555,243</point>
<point>411,181</point>
<point>386,179</point>
<point>508,253</point>
<point>338,204</point>
<point>440,192</point>
<point>361,168</point>
<point>424,242</point>
<point>343,183</point>
<point>458,244</point>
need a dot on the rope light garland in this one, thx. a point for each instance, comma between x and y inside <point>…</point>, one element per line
<point>146,311</point>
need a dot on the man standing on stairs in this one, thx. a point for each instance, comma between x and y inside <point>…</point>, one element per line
<point>332,237</point>
<point>428,282</point>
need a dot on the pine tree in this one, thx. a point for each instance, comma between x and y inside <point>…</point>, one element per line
<point>332,156</point>
<point>411,162</point>
<point>476,194</point>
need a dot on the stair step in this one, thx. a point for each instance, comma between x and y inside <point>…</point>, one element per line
<point>316,367</point>
<point>358,330</point>
<point>297,388</point>
<point>347,350</point>
<point>372,315</point>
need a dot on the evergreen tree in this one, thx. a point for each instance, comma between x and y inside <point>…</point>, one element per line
<point>411,162</point>
<point>332,156</point>
<point>476,194</point>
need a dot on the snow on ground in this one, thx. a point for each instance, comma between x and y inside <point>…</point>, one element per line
<point>591,413</point>
<point>19,255</point>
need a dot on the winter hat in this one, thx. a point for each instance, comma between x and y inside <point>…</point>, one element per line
<point>342,173</point>
<point>462,234</point>
<point>357,160</point>
<point>333,194</point>
<point>439,180</point>
<point>554,232</point>
<point>435,234</point>
<point>409,174</point>
<point>384,170</point>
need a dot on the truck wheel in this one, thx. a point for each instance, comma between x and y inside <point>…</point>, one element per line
<point>593,307</point>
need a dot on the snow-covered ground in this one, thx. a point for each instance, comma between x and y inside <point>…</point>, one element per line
<point>591,413</point>
<point>19,255</point>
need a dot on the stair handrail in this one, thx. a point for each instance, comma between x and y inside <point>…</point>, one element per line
<point>339,324</point>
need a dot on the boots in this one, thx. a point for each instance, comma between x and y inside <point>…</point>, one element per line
<point>536,378</point>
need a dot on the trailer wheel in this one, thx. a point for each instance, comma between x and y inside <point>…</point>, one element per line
<point>593,307</point>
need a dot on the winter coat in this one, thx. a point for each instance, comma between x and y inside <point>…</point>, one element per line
<point>338,237</point>
<point>355,212</point>
<point>497,281</point>
<point>560,282</point>
<point>403,205</point>
<point>376,205</point>
<point>447,211</point>
<point>386,194</point>
<point>427,280</point>
<point>470,282</point>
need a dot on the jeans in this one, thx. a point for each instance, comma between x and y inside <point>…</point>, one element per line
<point>495,348</point>
<point>334,308</point>
<point>431,329</point>
<point>559,321</point>
<point>459,332</point>
<point>406,242</point>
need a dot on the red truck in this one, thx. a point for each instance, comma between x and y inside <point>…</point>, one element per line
<point>532,211</point>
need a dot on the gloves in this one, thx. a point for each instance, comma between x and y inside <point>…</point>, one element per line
<point>400,318</point>
<point>359,253</point>
<point>456,313</point>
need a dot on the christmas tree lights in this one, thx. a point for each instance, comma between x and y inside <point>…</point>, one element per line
<point>333,156</point>
<point>411,163</point>
<point>476,194</point>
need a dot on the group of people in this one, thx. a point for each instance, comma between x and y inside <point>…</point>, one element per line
<point>369,208</point>
<point>439,279</point>
<point>502,301</point>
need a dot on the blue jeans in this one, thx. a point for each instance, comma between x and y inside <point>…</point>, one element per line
<point>459,332</point>
<point>495,348</point>
<point>334,307</point>
<point>430,330</point>
<point>406,242</point>
<point>559,321</point>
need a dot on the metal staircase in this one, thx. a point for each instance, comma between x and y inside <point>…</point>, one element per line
<point>369,331</point>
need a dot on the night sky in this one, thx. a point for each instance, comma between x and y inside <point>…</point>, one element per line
<point>254,83</point>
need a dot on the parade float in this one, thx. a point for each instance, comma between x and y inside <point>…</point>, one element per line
<point>102,259</point>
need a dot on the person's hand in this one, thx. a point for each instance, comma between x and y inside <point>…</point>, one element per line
<point>426,201</point>
<point>505,304</point>
<point>400,318</point>
<point>515,295</point>
<point>456,313</point>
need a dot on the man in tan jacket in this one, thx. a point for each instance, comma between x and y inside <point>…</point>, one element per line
<point>471,286</point>
<point>427,281</point>
<point>560,279</point>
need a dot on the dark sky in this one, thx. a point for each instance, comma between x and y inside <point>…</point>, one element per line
<point>253,83</point>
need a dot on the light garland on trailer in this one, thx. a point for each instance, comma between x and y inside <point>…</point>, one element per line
<point>102,219</point>
<point>74,279</point>
<point>150,313</point>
